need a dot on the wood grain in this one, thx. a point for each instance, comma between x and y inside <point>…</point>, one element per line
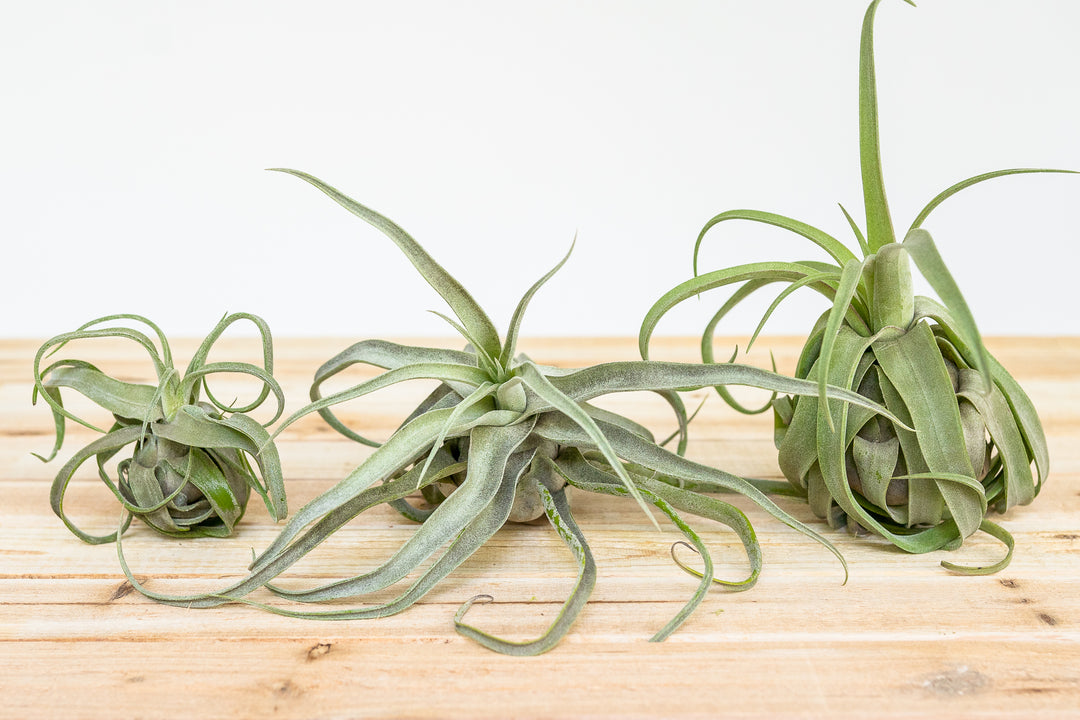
<point>903,637</point>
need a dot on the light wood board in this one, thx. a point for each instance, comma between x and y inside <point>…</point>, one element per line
<point>903,637</point>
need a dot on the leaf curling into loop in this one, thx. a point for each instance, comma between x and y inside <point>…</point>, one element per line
<point>708,338</point>
<point>558,513</point>
<point>718,511</point>
<point>460,301</point>
<point>49,347</point>
<point>481,599</point>
<point>997,532</point>
<point>706,577</point>
<point>680,563</point>
<point>198,360</point>
<point>166,351</point>
<point>110,442</point>
<point>581,474</point>
<point>194,378</point>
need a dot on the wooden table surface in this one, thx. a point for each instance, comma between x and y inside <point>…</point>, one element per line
<point>902,638</point>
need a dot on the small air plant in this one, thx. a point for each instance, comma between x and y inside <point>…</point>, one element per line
<point>499,440</point>
<point>188,474</point>
<point>976,431</point>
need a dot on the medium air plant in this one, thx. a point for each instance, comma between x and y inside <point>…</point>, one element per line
<point>188,473</point>
<point>976,431</point>
<point>500,440</point>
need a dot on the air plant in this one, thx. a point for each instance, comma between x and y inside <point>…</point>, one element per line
<point>976,431</point>
<point>499,440</point>
<point>188,473</point>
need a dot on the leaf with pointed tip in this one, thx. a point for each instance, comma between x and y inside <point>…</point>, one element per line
<point>460,301</point>
<point>863,245</point>
<point>953,189</point>
<point>510,346</point>
<point>879,228</point>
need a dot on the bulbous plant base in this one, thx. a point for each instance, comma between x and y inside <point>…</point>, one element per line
<point>541,457</point>
<point>185,491</point>
<point>972,448</point>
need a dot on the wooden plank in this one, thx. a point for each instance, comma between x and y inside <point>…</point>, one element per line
<point>316,675</point>
<point>902,638</point>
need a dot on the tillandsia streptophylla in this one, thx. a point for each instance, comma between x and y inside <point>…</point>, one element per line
<point>188,474</point>
<point>500,439</point>
<point>976,431</point>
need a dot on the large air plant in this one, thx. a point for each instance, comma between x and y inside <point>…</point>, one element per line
<point>976,432</point>
<point>500,439</point>
<point>188,473</point>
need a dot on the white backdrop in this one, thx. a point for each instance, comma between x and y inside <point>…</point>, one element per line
<point>133,137</point>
